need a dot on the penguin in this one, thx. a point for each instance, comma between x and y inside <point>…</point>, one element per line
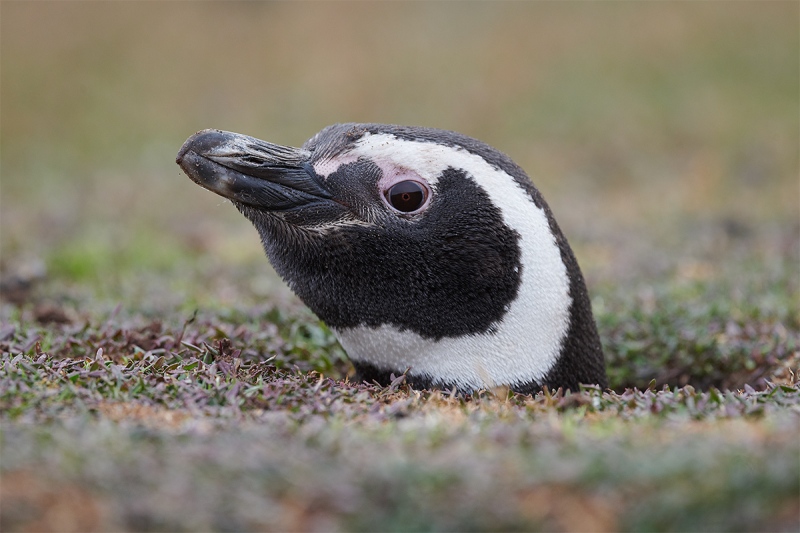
<point>427,252</point>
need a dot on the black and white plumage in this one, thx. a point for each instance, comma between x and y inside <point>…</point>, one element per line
<point>424,250</point>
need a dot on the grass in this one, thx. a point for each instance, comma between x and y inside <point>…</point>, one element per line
<point>155,374</point>
<point>244,418</point>
<point>243,443</point>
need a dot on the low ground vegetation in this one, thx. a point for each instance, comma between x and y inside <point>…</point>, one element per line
<point>246,418</point>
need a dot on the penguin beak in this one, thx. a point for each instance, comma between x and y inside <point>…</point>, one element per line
<point>251,171</point>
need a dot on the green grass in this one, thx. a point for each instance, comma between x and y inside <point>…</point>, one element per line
<point>244,418</point>
<point>156,375</point>
<point>238,444</point>
<point>723,333</point>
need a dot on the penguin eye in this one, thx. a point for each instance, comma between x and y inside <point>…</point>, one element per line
<point>406,196</point>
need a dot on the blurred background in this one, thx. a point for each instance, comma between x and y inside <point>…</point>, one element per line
<point>664,135</point>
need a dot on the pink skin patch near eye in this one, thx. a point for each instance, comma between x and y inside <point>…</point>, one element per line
<point>392,175</point>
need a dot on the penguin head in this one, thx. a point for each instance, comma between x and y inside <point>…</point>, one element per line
<point>425,251</point>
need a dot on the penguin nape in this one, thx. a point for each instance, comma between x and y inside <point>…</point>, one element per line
<point>427,252</point>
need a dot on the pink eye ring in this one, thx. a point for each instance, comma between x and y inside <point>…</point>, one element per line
<point>407,196</point>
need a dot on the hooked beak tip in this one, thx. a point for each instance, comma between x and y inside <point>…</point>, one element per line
<point>201,143</point>
<point>251,171</point>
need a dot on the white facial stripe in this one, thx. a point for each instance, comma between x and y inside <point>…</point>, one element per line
<point>326,167</point>
<point>529,338</point>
